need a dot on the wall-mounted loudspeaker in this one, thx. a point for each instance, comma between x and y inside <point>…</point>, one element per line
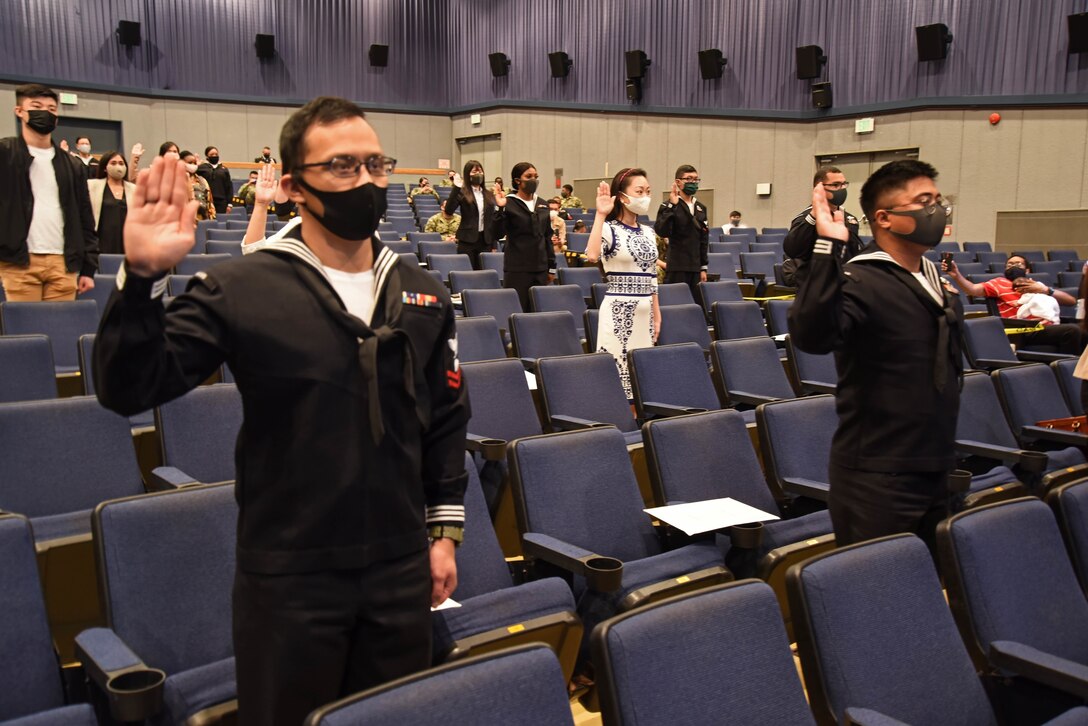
<point>810,61</point>
<point>560,64</point>
<point>500,64</point>
<point>711,64</point>
<point>1078,32</point>
<point>634,90</point>
<point>128,32</point>
<point>637,63</point>
<point>266,46</point>
<point>379,55</point>
<point>821,95</point>
<point>933,41</point>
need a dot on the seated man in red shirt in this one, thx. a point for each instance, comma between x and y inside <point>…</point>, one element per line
<point>1065,337</point>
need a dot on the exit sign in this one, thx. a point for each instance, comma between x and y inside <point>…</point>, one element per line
<point>864,125</point>
<point>69,99</point>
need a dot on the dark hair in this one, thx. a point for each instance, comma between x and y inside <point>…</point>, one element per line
<point>209,148</point>
<point>423,179</point>
<point>569,188</point>
<point>466,188</point>
<point>266,147</point>
<point>35,90</point>
<point>1027,262</point>
<point>165,146</point>
<point>83,137</point>
<point>321,111</point>
<point>556,200</point>
<point>737,214</point>
<point>579,222</point>
<point>823,172</point>
<point>892,176</point>
<point>685,169</point>
<point>515,174</point>
<point>184,153</point>
<point>620,183</point>
<point>104,161</point>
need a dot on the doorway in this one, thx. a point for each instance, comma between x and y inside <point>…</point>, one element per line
<point>104,135</point>
<point>488,151</point>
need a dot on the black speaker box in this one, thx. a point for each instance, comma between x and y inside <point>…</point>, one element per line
<point>933,41</point>
<point>711,64</point>
<point>560,64</point>
<point>634,89</point>
<point>810,61</point>
<point>500,65</point>
<point>128,32</point>
<point>821,95</point>
<point>1078,33</point>
<point>266,46</point>
<point>379,55</point>
<point>636,62</point>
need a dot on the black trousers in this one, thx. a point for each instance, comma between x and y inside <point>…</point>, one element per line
<point>221,205</point>
<point>301,641</point>
<point>473,250</point>
<point>522,281</point>
<point>1066,337</point>
<point>691,279</point>
<point>869,504</point>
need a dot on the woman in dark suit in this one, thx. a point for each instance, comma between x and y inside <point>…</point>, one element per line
<point>468,199</point>
<point>522,217</point>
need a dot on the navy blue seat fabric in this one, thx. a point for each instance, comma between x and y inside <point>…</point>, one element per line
<point>749,371</point>
<point>62,322</point>
<point>499,304</point>
<point>583,277</point>
<point>492,261</point>
<point>401,247</point>
<point>542,335</point>
<point>555,298</point>
<point>723,264</point>
<point>673,375</point>
<point>684,324</point>
<point>198,433</point>
<point>592,319</point>
<point>676,293</point>
<point>761,264</point>
<point>30,680</point>
<point>720,291</point>
<point>977,247</point>
<point>988,345</point>
<point>502,406</point>
<point>193,264</point>
<point>578,241</point>
<point>167,564</point>
<point>1070,504</point>
<point>215,234</point>
<point>176,284</point>
<point>426,248</point>
<point>110,264</point>
<point>1029,394</point>
<point>714,656</point>
<point>580,390</point>
<point>224,247</point>
<point>522,686</point>
<point>478,339</point>
<point>738,320</point>
<point>104,285</point>
<point>812,372</point>
<point>775,313</point>
<point>461,280</point>
<point>795,438</point>
<point>416,237</point>
<point>27,365</point>
<point>445,264</point>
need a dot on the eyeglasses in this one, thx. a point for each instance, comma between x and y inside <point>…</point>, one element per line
<point>347,167</point>
<point>929,209</point>
<point>834,186</point>
<point>696,180</point>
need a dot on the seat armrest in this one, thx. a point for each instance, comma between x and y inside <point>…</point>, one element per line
<point>869,717</point>
<point>715,575</point>
<point>133,690</point>
<point>806,488</point>
<point>490,449</point>
<point>164,478</point>
<point>1035,355</point>
<point>988,363</point>
<point>603,574</point>
<point>1040,433</point>
<point>1041,667</point>
<point>990,451</point>
<point>560,422</point>
<point>819,387</point>
<point>654,408</point>
<point>752,399</point>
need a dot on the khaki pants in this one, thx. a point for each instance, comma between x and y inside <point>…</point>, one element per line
<point>44,279</point>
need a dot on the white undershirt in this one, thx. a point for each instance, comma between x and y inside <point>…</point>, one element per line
<point>46,235</point>
<point>478,192</point>
<point>530,203</point>
<point>356,289</point>
<point>935,294</point>
<point>691,206</point>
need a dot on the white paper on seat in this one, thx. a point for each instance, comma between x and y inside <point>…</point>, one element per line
<point>697,517</point>
<point>530,378</point>
<point>448,603</point>
<point>779,338</point>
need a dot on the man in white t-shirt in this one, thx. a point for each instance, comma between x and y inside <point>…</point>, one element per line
<point>48,246</point>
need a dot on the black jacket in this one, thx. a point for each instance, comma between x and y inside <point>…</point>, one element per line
<point>688,236</point>
<point>897,353</point>
<point>468,232</point>
<point>17,207</point>
<point>218,178</point>
<point>528,235</point>
<point>320,486</point>
<point>802,236</point>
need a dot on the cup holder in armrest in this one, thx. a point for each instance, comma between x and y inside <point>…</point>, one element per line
<point>603,574</point>
<point>959,481</point>
<point>1034,462</point>
<point>136,694</point>
<point>748,536</point>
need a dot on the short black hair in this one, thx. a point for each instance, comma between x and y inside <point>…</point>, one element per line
<point>209,148</point>
<point>822,173</point>
<point>1022,256</point>
<point>684,169</point>
<point>893,175</point>
<point>735,213</point>
<point>35,90</point>
<point>320,111</point>
<point>515,174</point>
<point>569,188</point>
<point>185,152</point>
<point>78,138</point>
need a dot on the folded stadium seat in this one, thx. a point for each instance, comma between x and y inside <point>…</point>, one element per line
<point>1070,385</point>
<point>202,227</point>
<point>215,234</point>
<point>461,280</point>
<point>445,264</point>
<point>495,612</point>
<point>109,264</point>
<point>672,380</point>
<point>223,247</point>
<point>977,247</point>
<point>749,372</point>
<point>193,264</point>
<point>386,231</point>
<point>795,440</point>
<point>519,685</point>
<point>579,510</point>
<point>933,256</point>
<point>776,312</point>
<point>734,246</point>
<point>1020,608</point>
<point>597,291</point>
<point>776,230</point>
<point>561,298</point>
<point>1033,256</point>
<point>654,664</point>
<point>426,248</point>
<point>61,322</point>
<point>738,320</point>
<point>584,278</point>
<point>971,268</point>
<point>29,676</point>
<point>198,433</point>
<point>416,237</point>
<point>709,456</point>
<point>991,258</point>
<point>585,391</point>
<point>409,258</point>
<point>166,569</point>
<point>675,293</point>
<point>775,248</point>
<point>758,266</point>
<point>544,335</point>
<point>403,225</point>
<point>742,232</point>
<point>983,277</point>
<point>237,224</point>
<point>722,264</point>
<point>684,324</point>
<point>1030,394</point>
<point>719,291</point>
<point>1070,504</point>
<point>143,421</point>
<point>716,234</point>
<point>812,373</point>
<point>577,241</point>
<point>104,285</point>
<point>437,277</point>
<point>1070,279</point>
<point>948,246</point>
<point>1050,268</point>
<point>401,247</point>
<point>962,258</point>
<point>478,339</point>
<point>499,304</point>
<point>883,596</point>
<point>1077,265</point>
<point>988,346</point>
<point>591,318</point>
<point>771,238</point>
<point>176,284</point>
<point>27,363</point>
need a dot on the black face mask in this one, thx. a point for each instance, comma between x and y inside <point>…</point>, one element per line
<point>42,122</point>
<point>1015,273</point>
<point>213,160</point>
<point>476,180</point>
<point>838,196</point>
<point>352,214</point>
<point>528,186</point>
<point>928,228</point>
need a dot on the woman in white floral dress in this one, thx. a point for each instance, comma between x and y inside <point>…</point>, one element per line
<point>629,316</point>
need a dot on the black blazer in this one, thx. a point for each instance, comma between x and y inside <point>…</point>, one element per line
<point>688,236</point>
<point>528,235</point>
<point>468,232</point>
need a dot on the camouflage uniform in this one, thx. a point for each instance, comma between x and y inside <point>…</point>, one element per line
<point>422,190</point>
<point>445,227</point>
<point>571,201</point>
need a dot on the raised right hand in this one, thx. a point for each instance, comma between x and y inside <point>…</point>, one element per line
<point>500,198</point>
<point>605,201</point>
<point>265,188</point>
<point>160,226</point>
<point>137,149</point>
<point>832,226</point>
<point>674,193</point>
<point>457,180</point>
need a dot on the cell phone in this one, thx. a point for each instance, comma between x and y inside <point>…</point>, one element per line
<point>946,259</point>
